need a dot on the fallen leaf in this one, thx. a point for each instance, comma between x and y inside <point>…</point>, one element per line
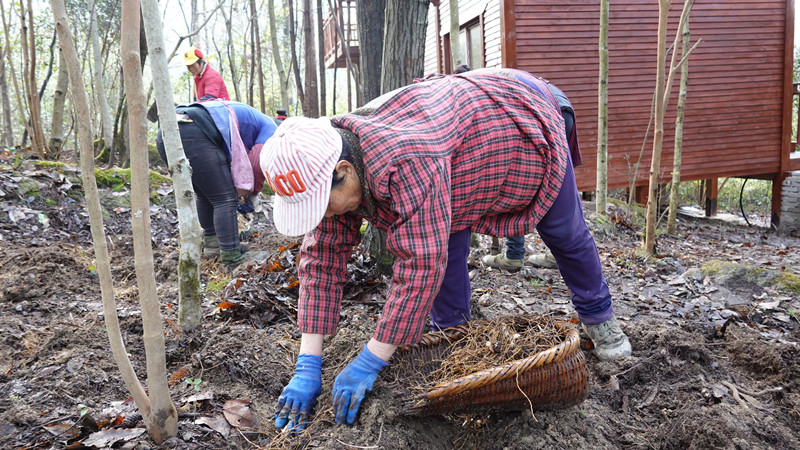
<point>238,413</point>
<point>65,431</point>
<point>216,423</point>
<point>46,371</point>
<point>199,397</point>
<point>166,190</point>
<point>107,438</point>
<point>178,375</point>
<point>768,305</point>
<point>225,305</point>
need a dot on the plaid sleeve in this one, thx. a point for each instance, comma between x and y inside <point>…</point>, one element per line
<point>419,189</point>
<point>322,269</point>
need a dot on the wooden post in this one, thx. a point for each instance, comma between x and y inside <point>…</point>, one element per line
<point>711,195</point>
<point>777,197</point>
<point>495,245</point>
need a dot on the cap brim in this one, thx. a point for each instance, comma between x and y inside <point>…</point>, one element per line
<point>297,219</point>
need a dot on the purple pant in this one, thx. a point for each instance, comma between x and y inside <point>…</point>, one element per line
<point>565,233</point>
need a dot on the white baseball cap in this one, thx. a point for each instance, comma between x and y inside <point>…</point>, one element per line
<point>298,162</point>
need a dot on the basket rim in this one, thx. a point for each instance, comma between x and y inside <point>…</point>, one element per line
<point>554,354</point>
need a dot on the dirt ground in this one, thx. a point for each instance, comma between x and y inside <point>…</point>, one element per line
<point>714,322</point>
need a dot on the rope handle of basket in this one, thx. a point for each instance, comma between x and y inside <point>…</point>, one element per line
<point>555,354</point>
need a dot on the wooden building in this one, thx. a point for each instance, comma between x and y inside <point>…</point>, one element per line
<point>738,110</point>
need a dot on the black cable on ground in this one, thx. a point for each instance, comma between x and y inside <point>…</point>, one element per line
<point>741,207</point>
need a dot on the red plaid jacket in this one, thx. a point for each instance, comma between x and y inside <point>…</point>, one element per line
<point>479,150</point>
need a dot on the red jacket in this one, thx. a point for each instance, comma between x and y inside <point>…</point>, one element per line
<point>209,84</point>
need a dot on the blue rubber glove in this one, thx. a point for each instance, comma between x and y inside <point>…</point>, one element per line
<point>300,395</point>
<point>245,206</point>
<point>353,383</point>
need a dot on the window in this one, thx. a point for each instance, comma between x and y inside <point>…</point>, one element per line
<point>470,42</point>
<point>470,39</point>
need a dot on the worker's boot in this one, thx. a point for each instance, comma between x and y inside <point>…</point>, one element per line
<point>231,259</point>
<point>210,245</point>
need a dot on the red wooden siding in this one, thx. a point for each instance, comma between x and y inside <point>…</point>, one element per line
<point>735,103</point>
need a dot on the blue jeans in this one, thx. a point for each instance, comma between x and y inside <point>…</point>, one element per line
<point>564,231</point>
<point>515,247</point>
<point>212,183</point>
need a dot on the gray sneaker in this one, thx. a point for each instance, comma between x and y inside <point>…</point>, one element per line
<point>543,260</point>
<point>610,341</point>
<point>501,262</point>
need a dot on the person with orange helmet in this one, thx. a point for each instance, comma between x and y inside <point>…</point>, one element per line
<point>208,82</point>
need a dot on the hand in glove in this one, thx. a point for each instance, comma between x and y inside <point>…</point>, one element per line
<point>353,383</point>
<point>245,205</point>
<point>300,395</point>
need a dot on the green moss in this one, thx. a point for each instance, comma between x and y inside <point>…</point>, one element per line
<point>28,187</point>
<point>116,178</point>
<point>102,155</point>
<point>714,267</point>
<point>789,281</point>
<point>56,165</point>
<point>215,287</point>
<point>50,202</point>
<point>191,283</point>
<point>728,272</point>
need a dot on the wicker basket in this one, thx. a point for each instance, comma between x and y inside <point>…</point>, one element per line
<point>552,379</point>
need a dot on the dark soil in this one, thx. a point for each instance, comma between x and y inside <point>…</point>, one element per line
<point>716,362</point>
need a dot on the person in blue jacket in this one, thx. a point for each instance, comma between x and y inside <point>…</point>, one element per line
<point>223,141</point>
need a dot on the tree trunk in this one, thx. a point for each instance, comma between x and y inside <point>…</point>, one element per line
<point>403,60</point>
<point>276,56</point>
<point>197,40</point>
<point>103,265</point>
<point>99,83</point>
<point>59,97</point>
<point>6,129</point>
<point>323,107</point>
<point>311,103</point>
<point>676,159</point>
<point>46,79</point>
<point>231,55</point>
<point>404,42</point>
<point>351,68</point>
<point>252,62</point>
<point>371,16</point>
<point>189,298</point>
<point>28,41</point>
<point>12,70</point>
<point>661,100</point>
<point>164,417</point>
<point>658,138</point>
<point>119,145</point>
<point>455,47</point>
<point>601,205</point>
<point>295,66</point>
<point>257,57</point>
